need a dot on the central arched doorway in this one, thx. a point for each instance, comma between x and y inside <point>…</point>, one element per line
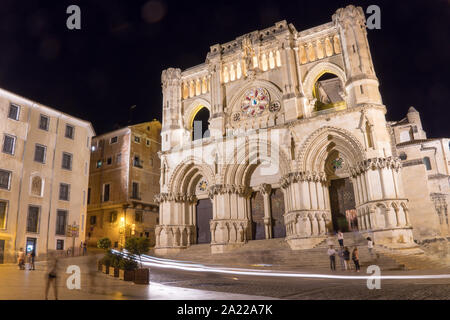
<point>204,214</point>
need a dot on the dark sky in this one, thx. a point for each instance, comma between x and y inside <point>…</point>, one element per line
<point>115,60</point>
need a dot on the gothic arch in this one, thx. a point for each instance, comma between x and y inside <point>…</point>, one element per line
<point>242,164</point>
<point>191,168</point>
<point>313,152</point>
<point>318,70</point>
<point>191,110</point>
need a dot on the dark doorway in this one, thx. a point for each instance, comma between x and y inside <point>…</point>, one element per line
<point>257,205</point>
<point>204,214</point>
<point>200,124</point>
<point>342,198</point>
<point>31,245</point>
<point>2,251</point>
<point>277,203</point>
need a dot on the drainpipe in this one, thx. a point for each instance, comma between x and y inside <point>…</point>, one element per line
<point>51,183</point>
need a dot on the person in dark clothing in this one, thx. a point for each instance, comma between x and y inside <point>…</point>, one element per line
<point>32,256</point>
<point>355,258</point>
<point>52,276</point>
<point>332,254</point>
<point>347,264</point>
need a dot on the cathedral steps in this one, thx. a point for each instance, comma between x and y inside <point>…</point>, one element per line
<point>276,254</point>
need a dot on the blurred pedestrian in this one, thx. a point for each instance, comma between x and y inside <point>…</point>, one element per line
<point>355,258</point>
<point>32,256</point>
<point>28,261</point>
<point>52,275</point>
<point>84,248</point>
<point>340,236</point>
<point>332,254</point>
<point>347,259</point>
<point>370,245</point>
<point>21,259</point>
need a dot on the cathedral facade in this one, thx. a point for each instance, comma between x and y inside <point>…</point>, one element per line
<point>280,134</point>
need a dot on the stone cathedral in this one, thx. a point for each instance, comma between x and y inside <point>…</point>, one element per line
<point>282,134</point>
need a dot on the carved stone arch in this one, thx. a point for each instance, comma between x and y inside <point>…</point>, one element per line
<point>317,71</point>
<point>191,110</point>
<point>178,178</point>
<point>239,169</point>
<point>36,184</point>
<point>275,92</point>
<point>312,152</point>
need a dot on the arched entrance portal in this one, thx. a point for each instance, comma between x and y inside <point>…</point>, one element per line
<point>203,215</point>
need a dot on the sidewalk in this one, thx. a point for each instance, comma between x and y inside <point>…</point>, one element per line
<point>30,285</point>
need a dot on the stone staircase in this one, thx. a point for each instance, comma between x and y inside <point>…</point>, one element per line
<point>276,254</point>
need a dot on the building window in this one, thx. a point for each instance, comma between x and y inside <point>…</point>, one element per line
<point>33,219</point>
<point>44,122</point>
<point>70,131</point>
<point>59,244</point>
<point>67,161</point>
<point>113,140</point>
<point>93,220</point>
<point>403,156</point>
<point>135,191</point>
<point>61,222</point>
<point>119,158</point>
<point>13,112</point>
<point>109,161</point>
<point>36,186</point>
<point>64,190</point>
<point>113,216</point>
<point>137,162</point>
<point>39,153</point>
<point>106,188</point>
<point>151,162</point>
<point>5,179</point>
<point>427,163</point>
<point>148,143</point>
<point>3,206</point>
<point>137,139</point>
<point>9,144</point>
<point>99,164</point>
<point>89,196</point>
<point>138,216</point>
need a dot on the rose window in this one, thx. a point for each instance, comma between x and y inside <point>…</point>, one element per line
<point>255,102</point>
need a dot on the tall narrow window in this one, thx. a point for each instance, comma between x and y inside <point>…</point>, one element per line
<point>67,161</point>
<point>89,196</point>
<point>137,162</point>
<point>39,153</point>
<point>44,122</point>
<point>135,190</point>
<point>138,216</point>
<point>5,179</point>
<point>106,188</point>
<point>33,219</point>
<point>61,222</point>
<point>9,144</point>
<point>70,131</point>
<point>292,148</point>
<point>64,191</point>
<point>3,207</point>
<point>427,163</point>
<point>13,112</point>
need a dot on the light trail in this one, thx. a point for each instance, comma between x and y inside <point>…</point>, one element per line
<point>155,262</point>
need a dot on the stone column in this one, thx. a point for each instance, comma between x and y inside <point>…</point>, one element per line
<point>265,190</point>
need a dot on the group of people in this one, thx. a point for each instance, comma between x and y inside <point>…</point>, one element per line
<point>26,260</point>
<point>344,254</point>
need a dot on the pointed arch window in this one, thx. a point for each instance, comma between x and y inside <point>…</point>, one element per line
<point>369,135</point>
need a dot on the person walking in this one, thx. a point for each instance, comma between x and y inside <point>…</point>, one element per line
<point>32,256</point>
<point>332,255</point>
<point>355,258</point>
<point>346,254</point>
<point>21,259</point>
<point>52,276</point>
<point>340,236</point>
<point>370,245</point>
<point>28,261</point>
<point>84,248</point>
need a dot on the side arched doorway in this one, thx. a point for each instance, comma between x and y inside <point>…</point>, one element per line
<point>257,214</point>
<point>277,208</point>
<point>203,215</point>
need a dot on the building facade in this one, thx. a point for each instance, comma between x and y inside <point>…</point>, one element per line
<point>124,178</point>
<point>426,172</point>
<point>43,182</point>
<point>280,133</point>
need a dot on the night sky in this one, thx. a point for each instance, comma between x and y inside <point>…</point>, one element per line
<point>115,60</point>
